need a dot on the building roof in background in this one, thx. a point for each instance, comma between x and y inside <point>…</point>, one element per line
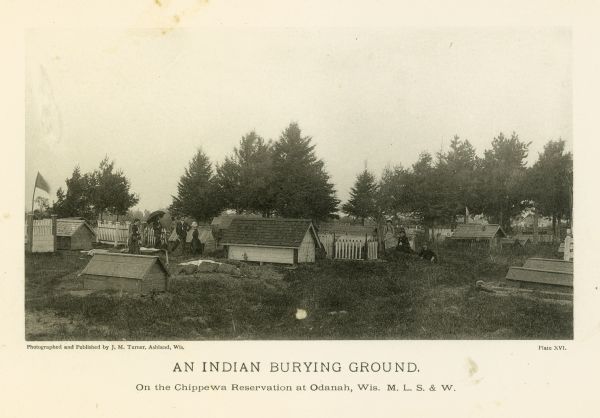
<point>128,266</point>
<point>66,227</point>
<point>268,232</point>
<point>478,231</point>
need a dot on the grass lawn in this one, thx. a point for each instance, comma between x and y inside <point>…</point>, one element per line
<point>403,298</point>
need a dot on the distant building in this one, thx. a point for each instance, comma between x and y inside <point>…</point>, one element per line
<point>271,240</point>
<point>125,272</point>
<point>74,234</point>
<point>489,234</point>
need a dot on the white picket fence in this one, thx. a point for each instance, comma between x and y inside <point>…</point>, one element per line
<point>348,247</point>
<point>43,238</point>
<point>372,249</point>
<point>148,236</point>
<point>42,227</point>
<point>117,233</point>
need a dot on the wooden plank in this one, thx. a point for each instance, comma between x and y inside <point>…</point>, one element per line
<point>521,274</point>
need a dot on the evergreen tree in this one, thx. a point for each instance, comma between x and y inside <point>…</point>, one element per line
<point>425,194</point>
<point>392,191</point>
<point>245,179</point>
<point>502,179</point>
<point>110,190</point>
<point>76,200</point>
<point>550,182</point>
<point>197,191</point>
<point>301,186</point>
<point>363,197</point>
<point>458,171</point>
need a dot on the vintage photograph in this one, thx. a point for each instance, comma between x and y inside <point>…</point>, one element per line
<point>299,184</point>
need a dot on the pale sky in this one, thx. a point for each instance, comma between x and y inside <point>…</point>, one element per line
<point>149,99</point>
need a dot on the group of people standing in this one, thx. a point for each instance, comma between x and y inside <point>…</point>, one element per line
<point>184,235</point>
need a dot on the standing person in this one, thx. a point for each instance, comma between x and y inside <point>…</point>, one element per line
<point>195,243</point>
<point>173,240</point>
<point>181,229</point>
<point>134,237</point>
<point>389,235</point>
<point>157,226</point>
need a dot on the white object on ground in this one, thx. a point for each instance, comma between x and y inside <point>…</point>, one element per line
<point>198,262</point>
<point>301,314</point>
<point>149,250</point>
<point>94,251</point>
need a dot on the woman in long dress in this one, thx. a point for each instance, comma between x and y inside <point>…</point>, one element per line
<point>389,236</point>
<point>195,244</point>
<point>134,238</point>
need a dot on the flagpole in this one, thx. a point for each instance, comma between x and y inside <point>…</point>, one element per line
<point>33,196</point>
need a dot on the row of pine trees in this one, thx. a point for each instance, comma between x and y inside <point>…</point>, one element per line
<point>286,178</point>
<point>283,178</point>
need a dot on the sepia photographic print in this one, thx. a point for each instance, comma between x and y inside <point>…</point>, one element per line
<point>299,209</point>
<point>299,184</point>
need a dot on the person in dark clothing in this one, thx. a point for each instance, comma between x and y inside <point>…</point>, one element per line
<point>157,233</point>
<point>427,254</point>
<point>196,245</point>
<point>134,238</point>
<point>403,244</point>
<point>181,229</point>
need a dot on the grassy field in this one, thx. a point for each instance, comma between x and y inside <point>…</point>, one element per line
<point>401,298</point>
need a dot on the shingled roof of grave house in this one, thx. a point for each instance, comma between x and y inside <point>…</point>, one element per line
<point>269,232</point>
<point>66,227</point>
<point>478,231</point>
<point>224,221</point>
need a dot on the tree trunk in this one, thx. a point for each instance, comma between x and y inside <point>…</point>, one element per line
<point>553,227</point>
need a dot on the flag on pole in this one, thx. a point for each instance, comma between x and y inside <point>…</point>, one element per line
<point>41,183</point>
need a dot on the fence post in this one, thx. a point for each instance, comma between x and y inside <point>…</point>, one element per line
<point>54,226</point>
<point>115,233</point>
<point>29,232</point>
